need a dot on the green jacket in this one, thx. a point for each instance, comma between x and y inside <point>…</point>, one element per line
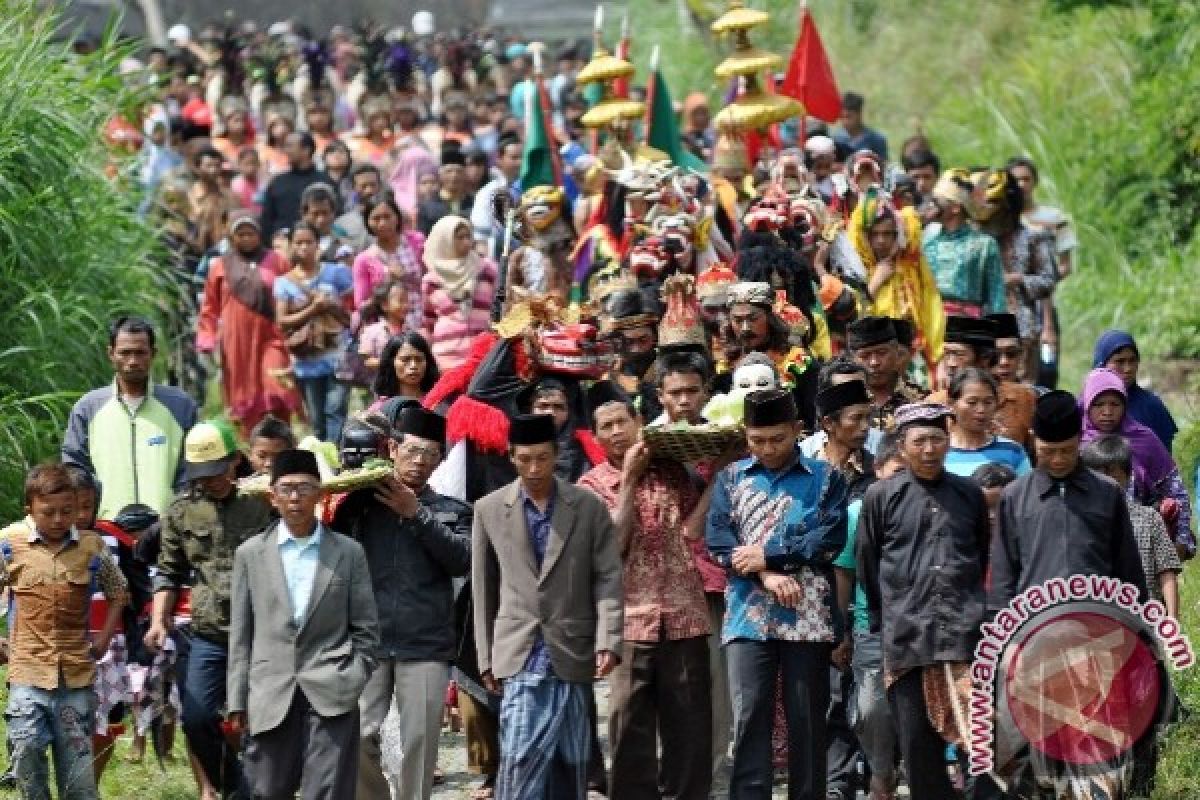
<point>138,456</point>
<point>199,539</point>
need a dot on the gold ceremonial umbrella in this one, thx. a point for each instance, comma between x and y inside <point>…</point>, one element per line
<point>746,61</point>
<point>610,112</point>
<point>755,110</point>
<point>603,67</point>
<point>739,18</point>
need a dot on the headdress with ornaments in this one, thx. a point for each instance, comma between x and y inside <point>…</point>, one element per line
<point>681,326</point>
<point>712,287</point>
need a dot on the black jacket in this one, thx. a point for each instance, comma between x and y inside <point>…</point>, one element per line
<point>412,562</point>
<point>922,552</point>
<point>281,200</point>
<point>1058,528</point>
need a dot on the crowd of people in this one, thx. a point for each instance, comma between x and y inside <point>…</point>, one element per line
<point>762,445</point>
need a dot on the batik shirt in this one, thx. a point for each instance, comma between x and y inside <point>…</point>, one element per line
<point>1030,254</point>
<point>798,516</point>
<point>966,265</point>
<point>883,417</point>
<point>664,595</point>
<point>1154,545</point>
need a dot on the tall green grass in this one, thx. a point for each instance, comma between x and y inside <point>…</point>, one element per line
<point>72,251</point>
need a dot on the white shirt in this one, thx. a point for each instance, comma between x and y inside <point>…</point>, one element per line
<point>299,557</point>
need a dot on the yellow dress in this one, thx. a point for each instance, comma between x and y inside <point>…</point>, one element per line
<point>911,293</point>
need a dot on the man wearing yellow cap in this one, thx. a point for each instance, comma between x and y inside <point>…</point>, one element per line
<point>201,531</point>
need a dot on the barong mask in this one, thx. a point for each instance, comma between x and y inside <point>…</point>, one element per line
<point>557,339</point>
<point>864,171</point>
<point>677,232</point>
<point>648,259</point>
<point>764,217</point>
<point>575,349</point>
<point>541,207</point>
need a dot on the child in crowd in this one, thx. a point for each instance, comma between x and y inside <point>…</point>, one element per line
<point>1111,455</point>
<point>50,567</point>
<point>246,185</point>
<point>384,317</point>
<point>270,437</point>
<point>992,478</point>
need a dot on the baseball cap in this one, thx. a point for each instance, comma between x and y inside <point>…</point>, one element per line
<point>209,449</point>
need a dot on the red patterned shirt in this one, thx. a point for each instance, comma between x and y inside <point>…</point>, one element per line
<point>664,597</point>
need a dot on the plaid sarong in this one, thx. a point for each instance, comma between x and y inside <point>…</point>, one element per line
<point>542,720</point>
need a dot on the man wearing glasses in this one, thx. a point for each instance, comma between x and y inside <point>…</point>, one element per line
<point>416,542</point>
<point>301,643</point>
<point>1014,414</point>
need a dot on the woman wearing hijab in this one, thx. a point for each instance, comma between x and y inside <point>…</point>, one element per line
<point>412,162</point>
<point>457,289</point>
<point>1119,352</point>
<point>238,318</point>
<point>157,158</point>
<point>1156,480</point>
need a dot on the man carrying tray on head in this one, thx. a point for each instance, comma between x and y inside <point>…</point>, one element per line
<point>416,541</point>
<point>661,685</point>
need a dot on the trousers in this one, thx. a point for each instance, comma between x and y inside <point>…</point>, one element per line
<point>753,667</point>
<point>61,719</point>
<point>660,693</point>
<point>203,697</point>
<point>415,691</point>
<point>923,749</point>
<point>315,755</point>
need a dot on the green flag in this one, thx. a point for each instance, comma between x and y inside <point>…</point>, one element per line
<point>664,130</point>
<point>539,162</point>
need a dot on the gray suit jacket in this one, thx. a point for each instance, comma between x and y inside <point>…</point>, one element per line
<point>574,600</point>
<point>328,656</point>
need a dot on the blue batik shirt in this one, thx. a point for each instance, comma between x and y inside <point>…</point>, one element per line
<point>538,524</point>
<point>798,516</point>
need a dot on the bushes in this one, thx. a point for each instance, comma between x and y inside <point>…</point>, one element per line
<point>72,251</point>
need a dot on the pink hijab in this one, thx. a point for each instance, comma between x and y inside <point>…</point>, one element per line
<point>413,162</point>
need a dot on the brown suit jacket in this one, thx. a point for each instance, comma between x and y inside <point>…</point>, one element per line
<point>574,600</point>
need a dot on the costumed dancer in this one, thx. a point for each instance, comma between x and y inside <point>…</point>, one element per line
<point>900,283</point>
<point>757,319</point>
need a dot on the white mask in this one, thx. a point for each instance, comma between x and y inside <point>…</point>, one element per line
<point>755,377</point>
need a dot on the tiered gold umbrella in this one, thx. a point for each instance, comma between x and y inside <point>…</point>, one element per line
<point>604,69</point>
<point>754,108</point>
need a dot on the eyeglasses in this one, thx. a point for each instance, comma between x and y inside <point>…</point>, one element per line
<point>296,489</point>
<point>427,454</point>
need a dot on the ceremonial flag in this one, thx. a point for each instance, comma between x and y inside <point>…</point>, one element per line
<point>809,76</point>
<point>621,85</point>
<point>539,162</point>
<point>662,130</point>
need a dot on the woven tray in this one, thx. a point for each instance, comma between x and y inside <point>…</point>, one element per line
<point>690,444</point>
<point>346,481</point>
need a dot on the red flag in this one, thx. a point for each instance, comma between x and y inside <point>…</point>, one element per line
<point>809,77</point>
<point>621,85</point>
